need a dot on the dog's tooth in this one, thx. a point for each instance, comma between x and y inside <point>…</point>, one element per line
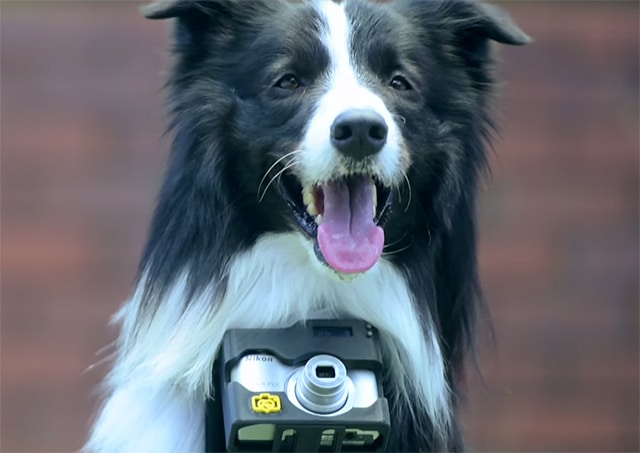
<point>375,199</point>
<point>318,219</point>
<point>307,196</point>
<point>311,208</point>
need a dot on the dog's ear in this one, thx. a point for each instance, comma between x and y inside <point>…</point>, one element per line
<point>194,18</point>
<point>165,9</point>
<point>470,23</point>
<point>493,23</point>
<point>474,22</point>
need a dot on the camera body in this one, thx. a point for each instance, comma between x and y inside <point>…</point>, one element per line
<point>314,386</point>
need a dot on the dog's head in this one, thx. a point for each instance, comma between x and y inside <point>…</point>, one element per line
<point>348,121</point>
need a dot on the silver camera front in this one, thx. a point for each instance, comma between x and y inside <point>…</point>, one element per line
<point>323,386</point>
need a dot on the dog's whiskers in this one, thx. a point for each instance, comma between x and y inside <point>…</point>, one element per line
<point>400,250</point>
<point>105,354</point>
<point>397,241</point>
<point>275,164</point>
<point>406,179</point>
<point>276,176</point>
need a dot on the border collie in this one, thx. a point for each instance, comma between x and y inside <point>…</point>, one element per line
<point>325,162</point>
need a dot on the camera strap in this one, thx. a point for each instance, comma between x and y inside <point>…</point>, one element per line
<point>214,421</point>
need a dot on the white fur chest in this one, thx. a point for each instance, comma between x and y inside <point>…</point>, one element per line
<point>162,375</point>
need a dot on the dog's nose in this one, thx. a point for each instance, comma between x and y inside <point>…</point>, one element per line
<point>359,133</point>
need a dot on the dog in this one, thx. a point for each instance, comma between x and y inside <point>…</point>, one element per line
<point>325,161</point>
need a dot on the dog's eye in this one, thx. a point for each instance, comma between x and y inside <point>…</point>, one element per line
<point>400,83</point>
<point>288,82</point>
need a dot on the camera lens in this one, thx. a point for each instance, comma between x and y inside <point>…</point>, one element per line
<point>322,385</point>
<point>325,372</point>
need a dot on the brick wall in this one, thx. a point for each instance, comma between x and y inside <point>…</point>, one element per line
<point>559,250</point>
<point>82,154</point>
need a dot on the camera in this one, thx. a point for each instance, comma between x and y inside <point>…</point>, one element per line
<point>314,387</point>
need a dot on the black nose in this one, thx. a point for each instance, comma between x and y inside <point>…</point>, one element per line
<point>359,133</point>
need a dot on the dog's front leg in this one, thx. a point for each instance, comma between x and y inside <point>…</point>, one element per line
<point>138,418</point>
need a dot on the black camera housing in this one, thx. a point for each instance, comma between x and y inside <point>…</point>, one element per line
<point>268,418</point>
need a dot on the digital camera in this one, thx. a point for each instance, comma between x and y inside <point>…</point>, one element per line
<point>312,387</point>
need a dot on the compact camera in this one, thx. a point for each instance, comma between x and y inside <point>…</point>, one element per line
<point>312,387</point>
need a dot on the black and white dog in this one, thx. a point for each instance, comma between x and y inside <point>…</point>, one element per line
<point>325,161</point>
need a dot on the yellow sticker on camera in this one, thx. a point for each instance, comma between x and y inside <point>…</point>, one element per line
<point>266,403</point>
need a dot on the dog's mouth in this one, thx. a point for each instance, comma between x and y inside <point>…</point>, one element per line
<point>345,218</point>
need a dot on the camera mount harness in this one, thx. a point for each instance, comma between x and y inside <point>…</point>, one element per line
<point>312,387</point>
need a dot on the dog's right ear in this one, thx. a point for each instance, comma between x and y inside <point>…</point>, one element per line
<point>195,17</point>
<point>166,9</point>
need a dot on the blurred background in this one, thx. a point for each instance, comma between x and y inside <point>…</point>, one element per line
<point>82,156</point>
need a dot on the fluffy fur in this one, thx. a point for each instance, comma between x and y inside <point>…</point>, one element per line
<point>255,89</point>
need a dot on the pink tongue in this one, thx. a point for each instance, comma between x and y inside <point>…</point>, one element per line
<point>349,240</point>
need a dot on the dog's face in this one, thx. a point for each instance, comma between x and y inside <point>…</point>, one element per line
<point>337,150</point>
<point>340,120</point>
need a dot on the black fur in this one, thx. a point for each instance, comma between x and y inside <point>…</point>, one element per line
<point>231,123</point>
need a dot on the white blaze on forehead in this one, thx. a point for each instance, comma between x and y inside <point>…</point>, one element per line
<point>337,39</point>
<point>344,91</point>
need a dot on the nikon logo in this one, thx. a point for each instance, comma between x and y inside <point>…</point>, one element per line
<point>258,358</point>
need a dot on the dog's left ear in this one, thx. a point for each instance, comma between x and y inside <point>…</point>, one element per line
<point>494,23</point>
<point>475,24</point>
<point>470,23</point>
